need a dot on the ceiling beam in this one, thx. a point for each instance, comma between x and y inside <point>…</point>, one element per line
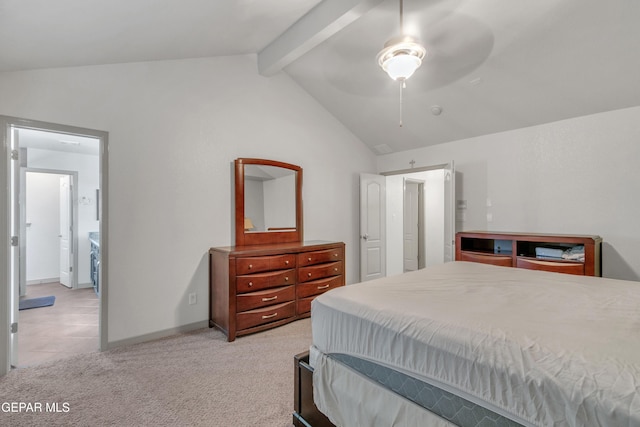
<point>320,23</point>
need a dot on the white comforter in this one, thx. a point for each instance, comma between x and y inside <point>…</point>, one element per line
<point>543,348</point>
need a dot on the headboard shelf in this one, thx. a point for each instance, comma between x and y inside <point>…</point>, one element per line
<point>561,253</point>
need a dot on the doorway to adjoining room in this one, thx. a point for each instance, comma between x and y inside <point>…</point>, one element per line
<point>407,220</point>
<point>55,216</point>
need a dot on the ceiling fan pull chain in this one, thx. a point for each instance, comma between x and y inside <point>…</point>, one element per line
<point>402,86</point>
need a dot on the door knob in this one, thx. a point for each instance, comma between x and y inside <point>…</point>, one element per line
<point>365,236</point>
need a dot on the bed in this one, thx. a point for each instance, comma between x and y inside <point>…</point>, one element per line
<point>468,344</point>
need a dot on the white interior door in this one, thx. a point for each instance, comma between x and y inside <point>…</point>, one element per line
<point>410,225</point>
<point>372,226</point>
<point>449,212</point>
<point>66,237</point>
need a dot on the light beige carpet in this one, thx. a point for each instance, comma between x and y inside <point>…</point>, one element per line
<point>194,379</point>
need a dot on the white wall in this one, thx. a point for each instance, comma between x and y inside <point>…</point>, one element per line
<point>175,128</point>
<point>43,226</point>
<point>433,224</point>
<point>88,168</point>
<point>577,176</point>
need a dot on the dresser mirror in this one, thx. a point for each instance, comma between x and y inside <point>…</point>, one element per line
<point>268,199</point>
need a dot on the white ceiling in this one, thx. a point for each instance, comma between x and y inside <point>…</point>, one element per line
<point>493,65</point>
<point>53,141</point>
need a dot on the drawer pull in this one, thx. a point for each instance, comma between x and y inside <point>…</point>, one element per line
<point>270,298</point>
<point>335,269</point>
<point>309,274</point>
<point>323,287</point>
<point>309,259</point>
<point>250,284</point>
<point>250,266</point>
<point>286,262</point>
<point>269,316</point>
<point>286,278</point>
<point>335,255</point>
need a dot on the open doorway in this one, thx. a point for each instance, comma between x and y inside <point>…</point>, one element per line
<point>417,219</point>
<point>56,197</point>
<point>413,220</point>
<point>49,218</point>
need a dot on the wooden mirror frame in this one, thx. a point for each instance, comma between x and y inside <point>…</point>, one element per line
<point>265,237</point>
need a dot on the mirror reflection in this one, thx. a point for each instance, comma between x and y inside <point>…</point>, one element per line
<point>269,198</point>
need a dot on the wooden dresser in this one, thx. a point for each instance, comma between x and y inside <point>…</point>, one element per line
<point>523,250</point>
<point>254,288</point>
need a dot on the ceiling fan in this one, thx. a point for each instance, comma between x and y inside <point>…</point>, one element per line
<point>401,57</point>
<point>455,44</point>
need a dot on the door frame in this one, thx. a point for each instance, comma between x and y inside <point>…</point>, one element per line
<point>7,124</point>
<point>73,215</point>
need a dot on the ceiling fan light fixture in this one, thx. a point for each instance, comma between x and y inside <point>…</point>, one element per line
<point>401,66</point>
<point>401,57</point>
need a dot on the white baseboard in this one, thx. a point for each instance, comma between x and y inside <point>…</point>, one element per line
<point>42,281</point>
<point>157,335</point>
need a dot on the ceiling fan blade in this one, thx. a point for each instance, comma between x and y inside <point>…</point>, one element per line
<point>456,45</point>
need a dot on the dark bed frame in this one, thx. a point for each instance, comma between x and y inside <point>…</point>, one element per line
<point>305,413</point>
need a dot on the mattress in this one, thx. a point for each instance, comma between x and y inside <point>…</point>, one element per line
<point>349,399</point>
<point>354,391</point>
<point>539,348</point>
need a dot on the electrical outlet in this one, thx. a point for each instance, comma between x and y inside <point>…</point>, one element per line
<point>193,298</point>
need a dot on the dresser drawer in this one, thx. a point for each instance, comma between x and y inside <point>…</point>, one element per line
<point>320,257</point>
<point>317,287</point>
<point>264,298</point>
<point>306,274</point>
<point>501,260</point>
<point>256,282</point>
<point>304,305</point>
<point>265,263</point>
<point>553,266</point>
<point>260,316</point>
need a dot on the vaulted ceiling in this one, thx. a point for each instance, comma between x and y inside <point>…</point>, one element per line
<point>492,65</point>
